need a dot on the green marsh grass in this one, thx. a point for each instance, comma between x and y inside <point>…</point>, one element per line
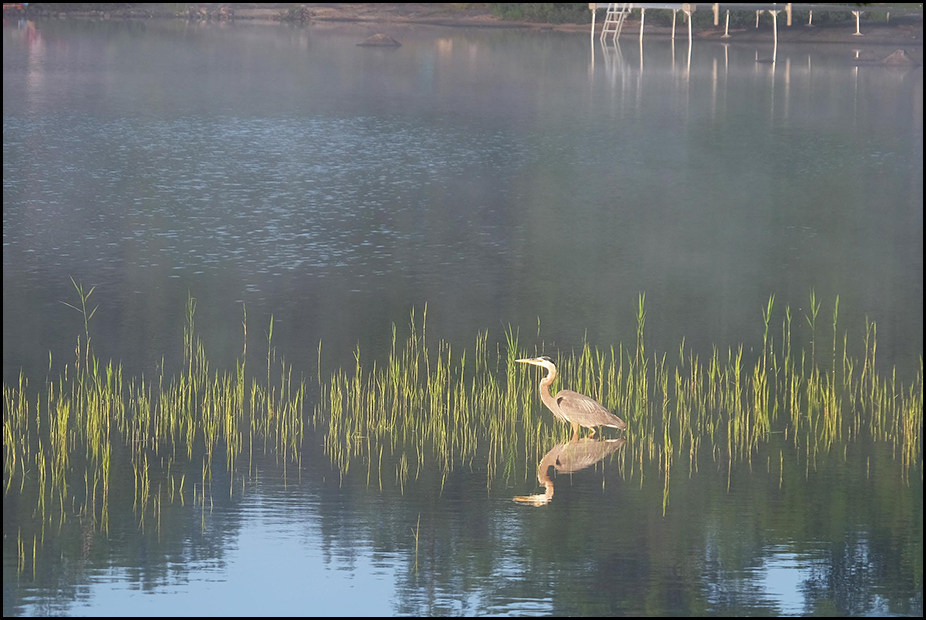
<point>433,406</point>
<point>424,403</point>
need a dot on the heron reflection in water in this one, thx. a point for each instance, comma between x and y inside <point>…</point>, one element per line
<point>566,458</point>
<point>572,407</point>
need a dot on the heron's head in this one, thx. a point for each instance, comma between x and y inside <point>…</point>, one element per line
<point>543,360</point>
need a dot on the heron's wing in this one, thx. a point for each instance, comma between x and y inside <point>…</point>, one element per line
<point>585,411</point>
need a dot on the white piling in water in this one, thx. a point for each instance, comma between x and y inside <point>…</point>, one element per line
<point>726,28</point>
<point>594,10</point>
<point>810,20</point>
<point>858,30</point>
<point>758,12</point>
<point>688,14</point>
<point>642,19</point>
<point>674,11</point>
<point>775,28</point>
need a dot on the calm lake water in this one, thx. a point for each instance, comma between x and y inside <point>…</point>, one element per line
<point>502,178</point>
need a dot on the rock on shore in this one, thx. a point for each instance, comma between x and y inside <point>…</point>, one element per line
<point>379,40</point>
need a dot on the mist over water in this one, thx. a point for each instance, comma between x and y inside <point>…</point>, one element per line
<point>502,178</point>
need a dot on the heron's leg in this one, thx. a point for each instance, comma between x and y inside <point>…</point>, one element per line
<point>594,430</point>
<point>575,431</point>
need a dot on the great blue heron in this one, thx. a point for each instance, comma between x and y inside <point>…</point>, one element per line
<point>572,407</point>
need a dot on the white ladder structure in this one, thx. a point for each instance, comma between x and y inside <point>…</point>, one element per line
<point>614,20</point>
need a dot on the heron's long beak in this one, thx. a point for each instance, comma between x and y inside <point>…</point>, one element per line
<point>528,361</point>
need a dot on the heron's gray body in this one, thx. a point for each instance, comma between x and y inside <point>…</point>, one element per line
<point>572,407</point>
<point>579,408</point>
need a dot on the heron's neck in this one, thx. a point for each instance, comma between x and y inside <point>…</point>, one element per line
<point>545,395</point>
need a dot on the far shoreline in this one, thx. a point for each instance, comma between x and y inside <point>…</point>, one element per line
<point>903,30</point>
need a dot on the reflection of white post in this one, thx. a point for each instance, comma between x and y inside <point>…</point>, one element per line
<point>858,31</point>
<point>759,12</point>
<point>591,61</point>
<point>688,66</point>
<point>674,11</point>
<point>726,28</point>
<point>642,19</point>
<point>810,21</point>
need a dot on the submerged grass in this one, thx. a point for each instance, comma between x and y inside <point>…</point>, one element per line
<point>428,406</point>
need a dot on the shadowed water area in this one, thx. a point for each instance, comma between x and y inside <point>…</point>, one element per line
<point>315,264</point>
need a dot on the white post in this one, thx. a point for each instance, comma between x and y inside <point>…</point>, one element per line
<point>594,9</point>
<point>716,9</point>
<point>775,27</point>
<point>858,31</point>
<point>810,21</point>
<point>726,28</point>
<point>888,17</point>
<point>674,11</point>
<point>688,14</point>
<point>642,19</point>
<point>759,12</point>
<point>788,13</point>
